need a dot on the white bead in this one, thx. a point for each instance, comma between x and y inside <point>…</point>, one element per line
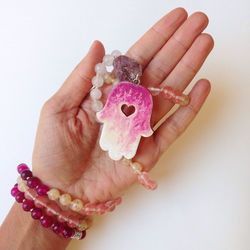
<point>116,53</point>
<point>97,81</point>
<point>100,68</point>
<point>97,106</point>
<point>108,60</point>
<point>96,94</point>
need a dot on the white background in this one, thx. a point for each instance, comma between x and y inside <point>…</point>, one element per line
<point>203,199</point>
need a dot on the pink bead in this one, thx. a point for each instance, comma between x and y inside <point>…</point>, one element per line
<point>83,234</point>
<point>68,232</point>
<point>73,221</point>
<point>36,213</point>
<point>30,194</point>
<point>58,228</point>
<point>19,197</point>
<point>46,221</point>
<point>28,205</point>
<point>33,182</point>
<point>146,181</point>
<point>14,191</point>
<point>168,92</point>
<point>100,208</point>
<point>22,167</point>
<point>62,216</point>
<point>41,201</point>
<point>26,174</point>
<point>42,189</point>
<point>16,185</point>
<point>89,208</point>
<point>52,209</point>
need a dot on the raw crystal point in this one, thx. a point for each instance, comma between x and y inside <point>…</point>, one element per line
<point>127,69</point>
<point>146,181</point>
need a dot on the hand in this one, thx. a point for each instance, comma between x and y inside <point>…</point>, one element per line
<point>67,155</point>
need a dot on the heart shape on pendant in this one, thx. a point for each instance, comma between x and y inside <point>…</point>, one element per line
<point>127,110</point>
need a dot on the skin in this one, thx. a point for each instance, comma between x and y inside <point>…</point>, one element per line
<point>66,153</point>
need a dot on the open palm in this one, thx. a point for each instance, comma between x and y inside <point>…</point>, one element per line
<point>67,155</point>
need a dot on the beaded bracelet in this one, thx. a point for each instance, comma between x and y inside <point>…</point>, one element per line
<point>65,200</point>
<point>47,221</point>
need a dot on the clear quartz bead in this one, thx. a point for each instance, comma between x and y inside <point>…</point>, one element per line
<point>97,106</point>
<point>116,53</point>
<point>76,205</point>
<point>97,81</point>
<point>83,225</point>
<point>100,69</point>
<point>95,93</point>
<point>137,167</point>
<point>108,60</point>
<point>65,199</point>
<point>22,187</point>
<point>53,194</point>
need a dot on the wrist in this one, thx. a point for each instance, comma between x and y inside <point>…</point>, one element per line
<point>28,232</point>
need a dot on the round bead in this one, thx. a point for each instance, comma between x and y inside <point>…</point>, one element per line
<point>52,209</point>
<point>65,199</point>
<point>62,216</point>
<point>108,60</point>
<point>100,69</point>
<point>14,191</point>
<point>33,182</point>
<point>136,166</point>
<point>28,205</point>
<point>46,221</point>
<point>26,174</point>
<point>97,106</point>
<point>42,189</point>
<point>68,232</point>
<point>53,194</point>
<point>22,187</point>
<point>95,93</point>
<point>97,81</point>
<point>41,201</point>
<point>22,167</point>
<point>20,197</point>
<point>58,228</point>
<point>73,221</point>
<point>19,180</point>
<point>83,225</point>
<point>83,234</point>
<point>30,194</point>
<point>36,213</point>
<point>116,53</point>
<point>76,205</point>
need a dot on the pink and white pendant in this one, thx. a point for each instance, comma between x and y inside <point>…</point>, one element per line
<point>121,132</point>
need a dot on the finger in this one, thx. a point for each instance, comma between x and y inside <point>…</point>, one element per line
<point>78,84</point>
<point>172,52</point>
<point>152,41</point>
<point>184,72</point>
<point>178,122</point>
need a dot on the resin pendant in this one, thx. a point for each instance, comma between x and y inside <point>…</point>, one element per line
<point>121,132</point>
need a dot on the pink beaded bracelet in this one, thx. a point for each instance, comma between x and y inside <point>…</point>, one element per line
<point>76,205</point>
<point>46,220</point>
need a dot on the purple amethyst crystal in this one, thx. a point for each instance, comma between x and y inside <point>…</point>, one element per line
<point>127,69</point>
